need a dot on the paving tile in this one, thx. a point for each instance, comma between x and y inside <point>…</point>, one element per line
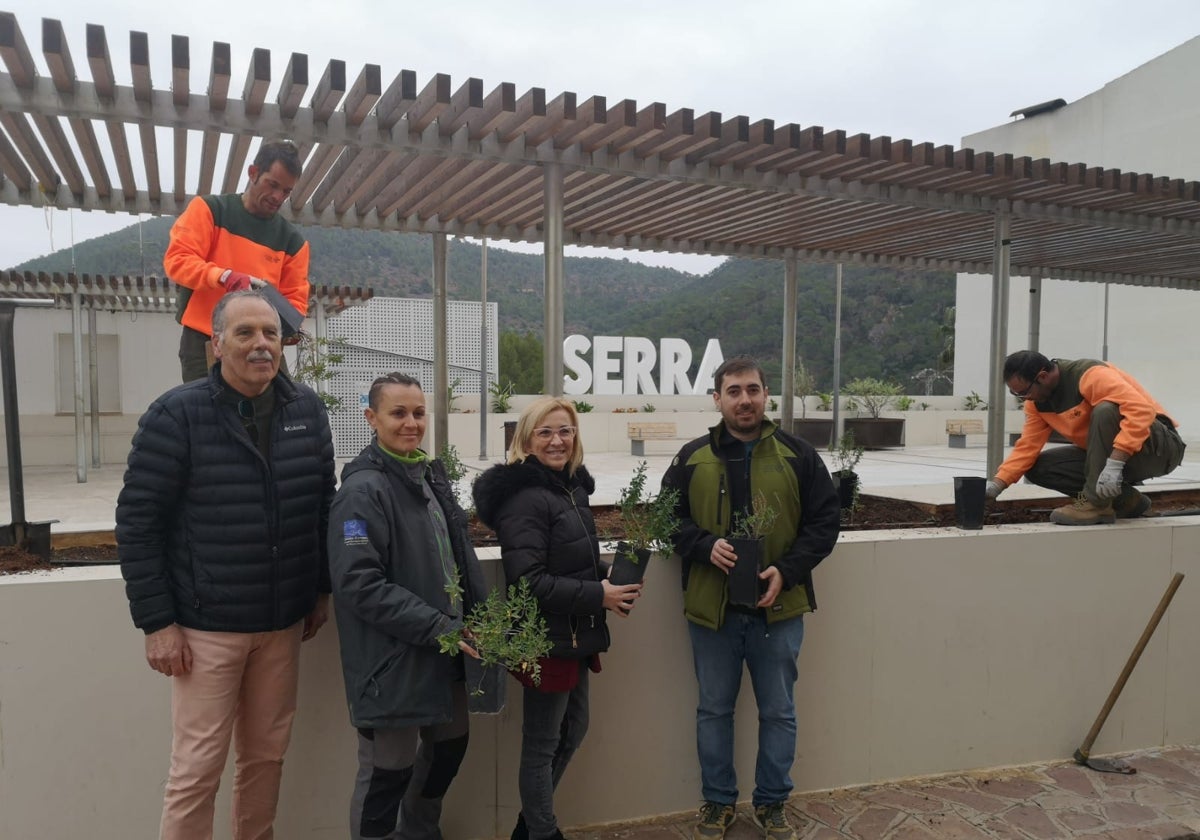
<point>873,823</point>
<point>1033,821</point>
<point>1072,777</point>
<point>1079,821</point>
<point>972,799</point>
<point>951,826</point>
<point>821,811</point>
<point>1162,768</point>
<point>1160,796</point>
<point>1011,788</point>
<point>1128,813</point>
<point>816,831</point>
<point>998,828</point>
<point>904,800</point>
<point>1059,800</point>
<point>912,829</point>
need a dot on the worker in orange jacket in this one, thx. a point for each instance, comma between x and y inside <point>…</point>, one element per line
<point>1120,436</point>
<point>226,243</point>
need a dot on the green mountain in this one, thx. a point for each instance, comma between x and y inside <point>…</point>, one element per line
<point>891,320</point>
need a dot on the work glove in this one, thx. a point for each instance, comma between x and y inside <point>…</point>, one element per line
<point>994,487</point>
<point>1108,485</point>
<point>236,281</point>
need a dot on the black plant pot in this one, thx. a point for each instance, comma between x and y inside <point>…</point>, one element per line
<point>876,432</point>
<point>744,588</point>
<point>486,687</point>
<point>846,482</point>
<point>817,431</point>
<point>629,565</point>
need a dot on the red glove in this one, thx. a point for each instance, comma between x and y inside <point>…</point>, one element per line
<point>235,281</point>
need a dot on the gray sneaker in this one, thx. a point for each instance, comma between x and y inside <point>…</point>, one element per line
<point>772,819</point>
<point>714,819</point>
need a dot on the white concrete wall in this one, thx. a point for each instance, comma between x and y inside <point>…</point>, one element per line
<point>933,651</point>
<point>1146,121</point>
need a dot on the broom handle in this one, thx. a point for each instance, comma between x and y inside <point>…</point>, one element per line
<point>1086,746</point>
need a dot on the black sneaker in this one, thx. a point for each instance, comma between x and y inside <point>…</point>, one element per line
<point>714,819</point>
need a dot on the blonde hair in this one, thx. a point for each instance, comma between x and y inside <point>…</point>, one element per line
<point>532,417</point>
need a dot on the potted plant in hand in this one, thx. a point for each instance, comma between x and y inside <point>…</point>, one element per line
<point>649,521</point>
<point>873,397</point>
<point>846,458</point>
<point>508,634</point>
<point>749,531</point>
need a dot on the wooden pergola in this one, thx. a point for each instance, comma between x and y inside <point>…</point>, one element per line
<point>469,160</point>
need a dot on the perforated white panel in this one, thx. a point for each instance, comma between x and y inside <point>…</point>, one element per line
<point>396,334</point>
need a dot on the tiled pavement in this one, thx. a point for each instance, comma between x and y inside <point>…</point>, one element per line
<point>1042,802</point>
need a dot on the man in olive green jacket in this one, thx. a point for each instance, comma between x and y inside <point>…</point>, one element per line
<point>717,476</point>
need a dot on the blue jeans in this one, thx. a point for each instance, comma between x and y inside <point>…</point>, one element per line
<point>770,652</point>
<point>552,729</point>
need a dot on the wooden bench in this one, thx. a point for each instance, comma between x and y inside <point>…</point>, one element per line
<point>639,433</point>
<point>957,431</point>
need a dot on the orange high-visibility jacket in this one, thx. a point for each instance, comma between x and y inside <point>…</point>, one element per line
<point>1082,384</point>
<point>216,233</point>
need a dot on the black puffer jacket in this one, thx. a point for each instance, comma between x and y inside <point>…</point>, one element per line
<point>389,586</point>
<point>210,534</point>
<point>547,535</point>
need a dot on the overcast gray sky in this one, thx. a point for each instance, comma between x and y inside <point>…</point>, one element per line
<point>926,71</point>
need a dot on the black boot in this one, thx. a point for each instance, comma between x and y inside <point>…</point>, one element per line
<point>521,832</point>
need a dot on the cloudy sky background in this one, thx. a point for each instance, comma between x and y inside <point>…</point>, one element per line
<point>926,71</point>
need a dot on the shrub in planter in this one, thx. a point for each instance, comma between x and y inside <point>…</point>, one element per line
<point>747,538</point>
<point>872,397</point>
<point>649,521</point>
<point>845,459</point>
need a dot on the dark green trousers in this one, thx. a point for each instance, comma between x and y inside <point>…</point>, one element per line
<point>1071,470</point>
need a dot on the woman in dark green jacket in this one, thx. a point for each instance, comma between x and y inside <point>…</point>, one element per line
<point>399,554</point>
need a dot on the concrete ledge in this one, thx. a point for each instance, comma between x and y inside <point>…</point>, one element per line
<point>928,655</point>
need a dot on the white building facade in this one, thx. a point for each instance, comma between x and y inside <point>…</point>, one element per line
<point>1147,121</point>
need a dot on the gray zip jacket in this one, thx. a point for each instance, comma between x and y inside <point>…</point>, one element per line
<point>389,585</point>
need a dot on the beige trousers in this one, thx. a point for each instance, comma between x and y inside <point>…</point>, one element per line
<point>241,686</point>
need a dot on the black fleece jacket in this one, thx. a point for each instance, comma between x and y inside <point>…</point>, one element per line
<point>548,536</point>
<point>210,534</point>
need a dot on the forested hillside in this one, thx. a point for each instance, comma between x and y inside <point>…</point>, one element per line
<point>892,322</point>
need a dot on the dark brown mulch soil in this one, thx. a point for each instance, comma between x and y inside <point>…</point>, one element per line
<point>874,513</point>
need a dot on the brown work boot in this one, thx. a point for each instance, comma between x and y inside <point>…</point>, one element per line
<point>1131,504</point>
<point>1083,511</point>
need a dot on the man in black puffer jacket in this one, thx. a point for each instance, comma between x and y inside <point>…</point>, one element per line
<point>221,529</point>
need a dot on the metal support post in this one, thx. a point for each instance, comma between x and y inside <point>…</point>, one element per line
<point>837,354</point>
<point>997,389</point>
<point>441,365</point>
<point>77,344</point>
<point>94,383</point>
<point>788,392</point>
<point>483,351</point>
<point>1035,311</point>
<point>552,192</point>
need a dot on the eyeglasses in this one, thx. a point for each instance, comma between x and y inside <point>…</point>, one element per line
<point>546,433</point>
<point>1024,395</point>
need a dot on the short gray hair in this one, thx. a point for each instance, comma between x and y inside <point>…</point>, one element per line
<point>218,316</point>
